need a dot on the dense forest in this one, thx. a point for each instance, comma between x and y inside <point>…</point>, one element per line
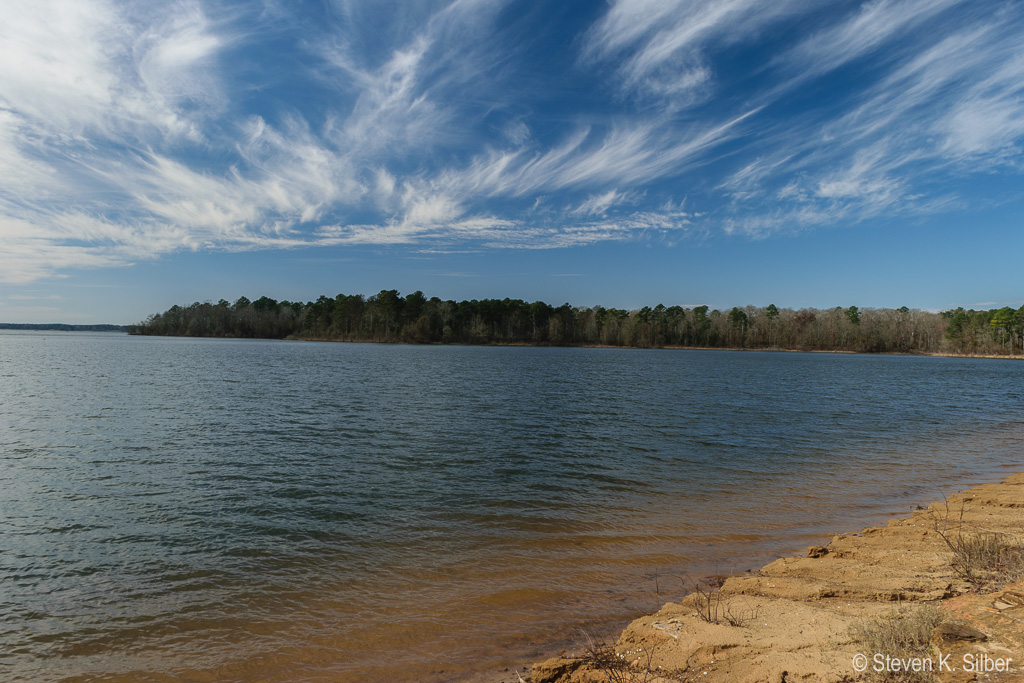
<point>390,317</point>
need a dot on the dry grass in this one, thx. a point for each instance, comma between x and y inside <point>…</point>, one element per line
<point>980,557</point>
<point>636,666</point>
<point>986,557</point>
<point>904,633</point>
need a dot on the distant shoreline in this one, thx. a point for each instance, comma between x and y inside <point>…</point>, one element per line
<point>63,327</point>
<point>775,349</point>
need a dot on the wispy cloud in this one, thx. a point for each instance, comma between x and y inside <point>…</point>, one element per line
<point>659,45</point>
<point>874,25</point>
<point>34,297</point>
<point>133,130</point>
<point>600,203</point>
<point>630,154</point>
<point>939,104</point>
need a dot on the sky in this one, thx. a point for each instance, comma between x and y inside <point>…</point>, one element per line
<point>621,152</point>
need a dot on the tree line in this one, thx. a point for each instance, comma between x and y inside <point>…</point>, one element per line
<point>389,317</point>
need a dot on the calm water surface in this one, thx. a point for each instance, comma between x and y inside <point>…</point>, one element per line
<point>227,510</point>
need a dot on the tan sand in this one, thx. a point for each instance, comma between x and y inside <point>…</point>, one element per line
<point>793,618</point>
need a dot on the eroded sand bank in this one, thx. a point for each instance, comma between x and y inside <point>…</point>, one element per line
<point>792,620</point>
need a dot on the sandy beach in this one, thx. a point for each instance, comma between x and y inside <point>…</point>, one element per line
<point>805,618</point>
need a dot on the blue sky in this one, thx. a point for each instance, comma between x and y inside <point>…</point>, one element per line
<point>628,152</point>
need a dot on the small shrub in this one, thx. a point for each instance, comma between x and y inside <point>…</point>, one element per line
<point>616,667</point>
<point>629,667</point>
<point>1011,561</point>
<point>905,633</point>
<point>984,556</point>
<point>708,599</point>
<point>981,557</point>
<point>713,608</point>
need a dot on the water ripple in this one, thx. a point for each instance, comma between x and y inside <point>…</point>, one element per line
<point>245,510</point>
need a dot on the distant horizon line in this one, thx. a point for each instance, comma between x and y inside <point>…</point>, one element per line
<point>66,327</point>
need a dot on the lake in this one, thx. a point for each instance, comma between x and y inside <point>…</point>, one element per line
<point>240,510</point>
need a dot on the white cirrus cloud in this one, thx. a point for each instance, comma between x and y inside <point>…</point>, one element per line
<point>134,129</point>
<point>659,46</point>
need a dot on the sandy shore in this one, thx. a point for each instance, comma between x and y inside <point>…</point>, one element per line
<point>792,619</point>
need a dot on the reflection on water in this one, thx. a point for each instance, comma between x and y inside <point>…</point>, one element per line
<point>176,509</point>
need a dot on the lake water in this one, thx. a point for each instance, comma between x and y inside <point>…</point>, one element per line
<point>228,510</point>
